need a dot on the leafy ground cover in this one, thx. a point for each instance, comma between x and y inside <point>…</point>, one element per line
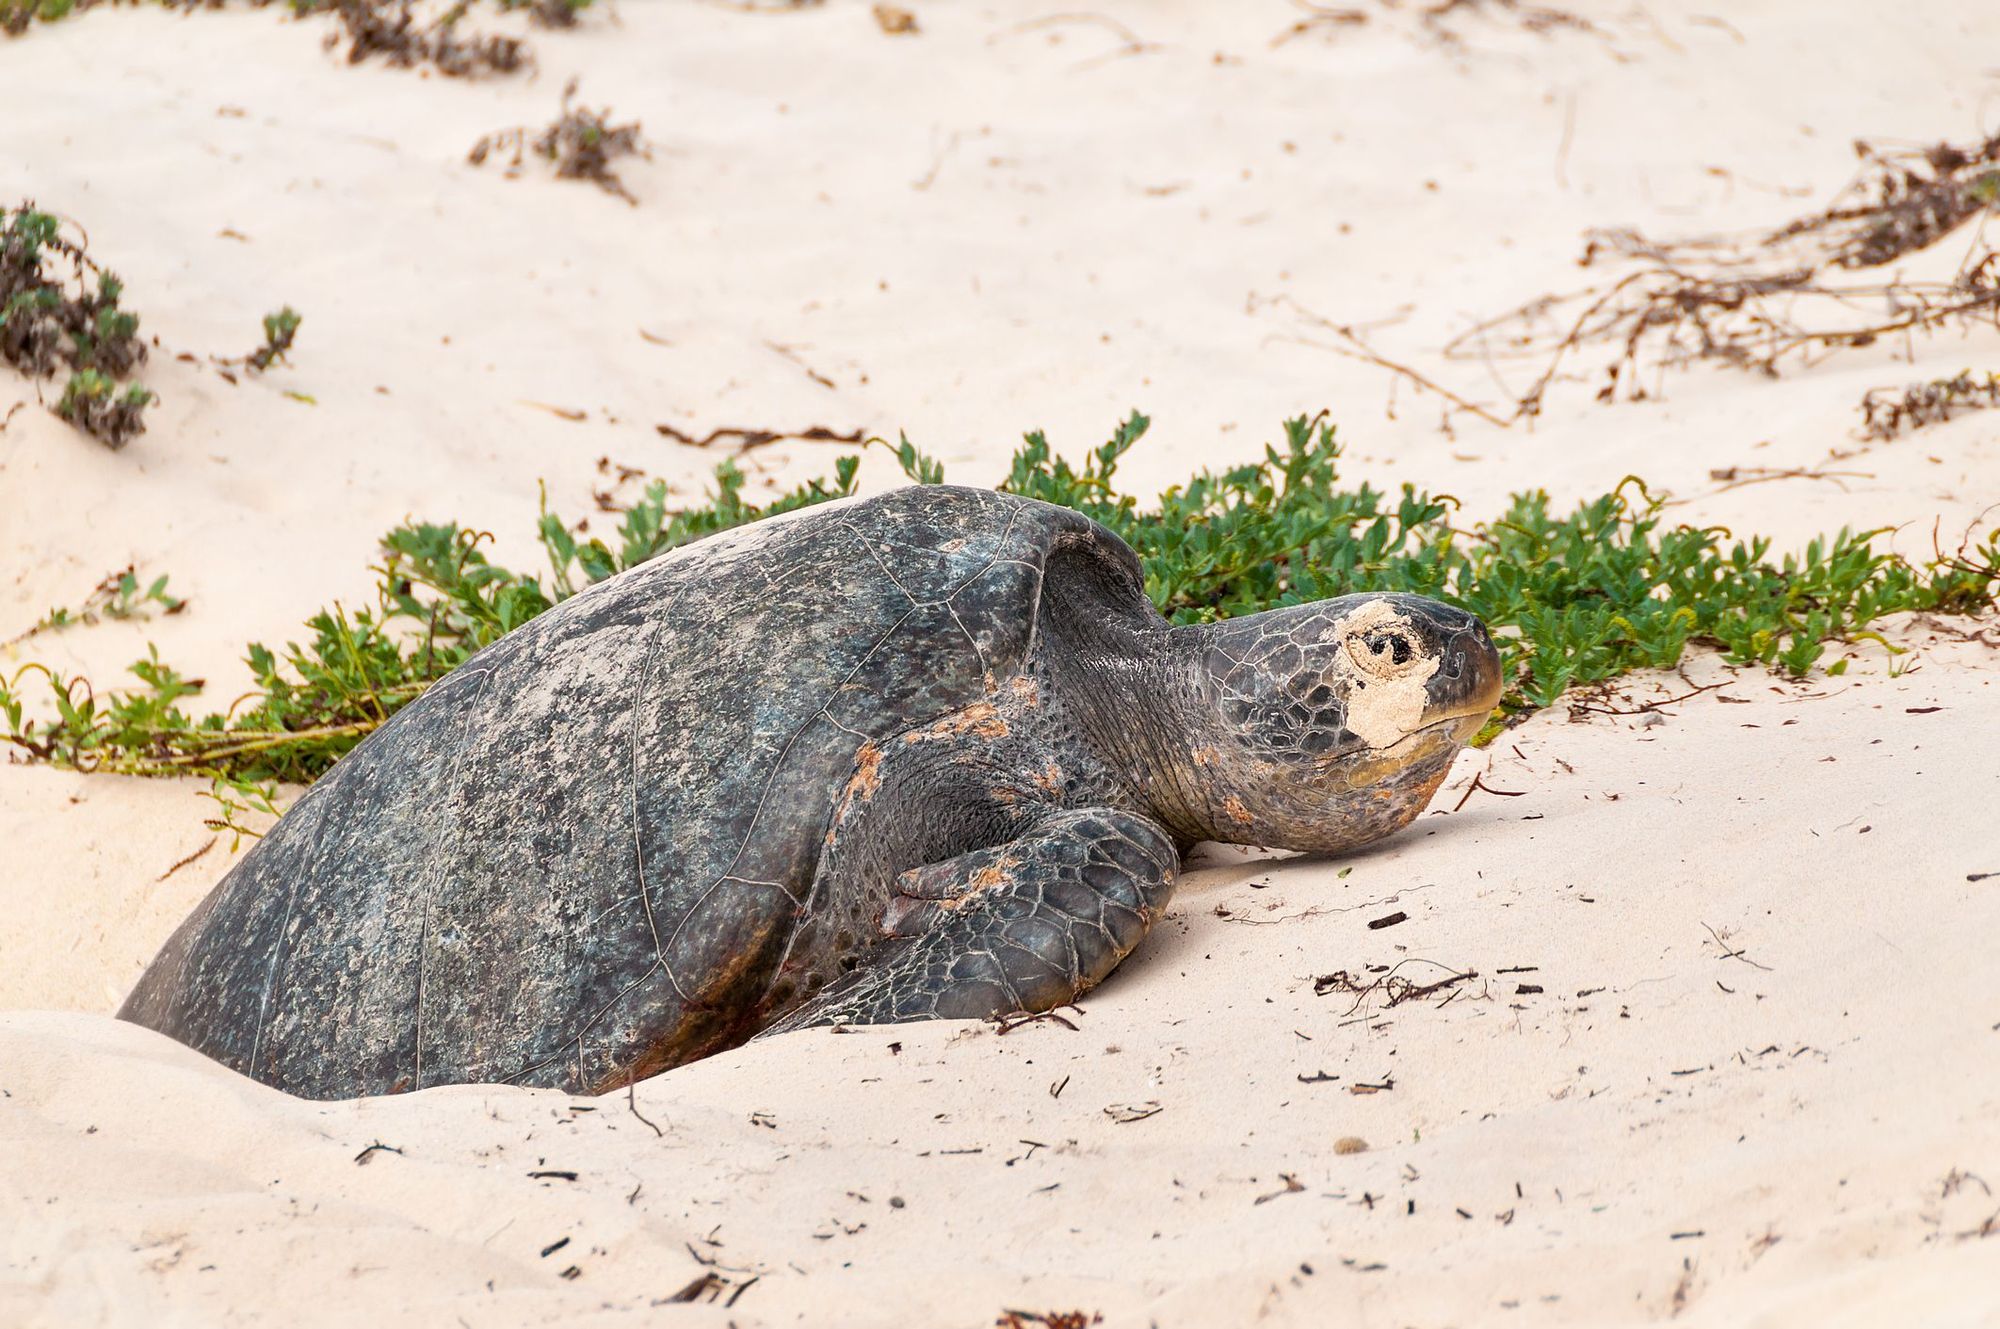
<point>51,319</point>
<point>1573,598</point>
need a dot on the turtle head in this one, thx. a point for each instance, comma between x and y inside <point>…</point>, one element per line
<point>1326,725</point>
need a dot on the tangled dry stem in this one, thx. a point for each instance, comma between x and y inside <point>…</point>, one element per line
<point>1762,302</point>
<point>1390,985</point>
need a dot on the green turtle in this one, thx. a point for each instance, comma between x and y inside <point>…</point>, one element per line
<point>927,754</point>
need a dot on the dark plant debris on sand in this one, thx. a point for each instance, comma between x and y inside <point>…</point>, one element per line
<point>580,143</point>
<point>393,30</point>
<point>1889,412</point>
<point>119,595</point>
<point>1013,1319</point>
<point>279,331</point>
<point>405,34</point>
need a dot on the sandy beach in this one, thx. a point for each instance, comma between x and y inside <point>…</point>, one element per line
<point>1729,1053</point>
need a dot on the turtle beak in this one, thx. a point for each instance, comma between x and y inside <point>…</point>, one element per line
<point>1468,682</point>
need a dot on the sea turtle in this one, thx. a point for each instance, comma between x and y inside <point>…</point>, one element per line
<point>928,754</point>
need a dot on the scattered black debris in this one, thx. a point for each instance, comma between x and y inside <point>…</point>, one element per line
<point>1387,921</point>
<point>704,1288</point>
<point>362,1158</point>
<point>556,1174</point>
<point>1124,1113</point>
<point>554,1246</point>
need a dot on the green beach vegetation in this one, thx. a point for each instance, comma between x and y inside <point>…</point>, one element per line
<point>1573,598</point>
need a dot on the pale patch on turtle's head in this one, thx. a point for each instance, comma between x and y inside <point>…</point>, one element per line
<point>1335,721</point>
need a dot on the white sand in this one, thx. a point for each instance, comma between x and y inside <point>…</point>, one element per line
<point>971,232</point>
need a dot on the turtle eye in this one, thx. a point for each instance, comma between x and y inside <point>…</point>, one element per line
<point>1382,651</point>
<point>1393,644</point>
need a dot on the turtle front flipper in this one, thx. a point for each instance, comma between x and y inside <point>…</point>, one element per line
<point>1027,925</point>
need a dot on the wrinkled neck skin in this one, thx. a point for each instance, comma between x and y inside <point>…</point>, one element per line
<point>1134,690</point>
<point>1134,703</point>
